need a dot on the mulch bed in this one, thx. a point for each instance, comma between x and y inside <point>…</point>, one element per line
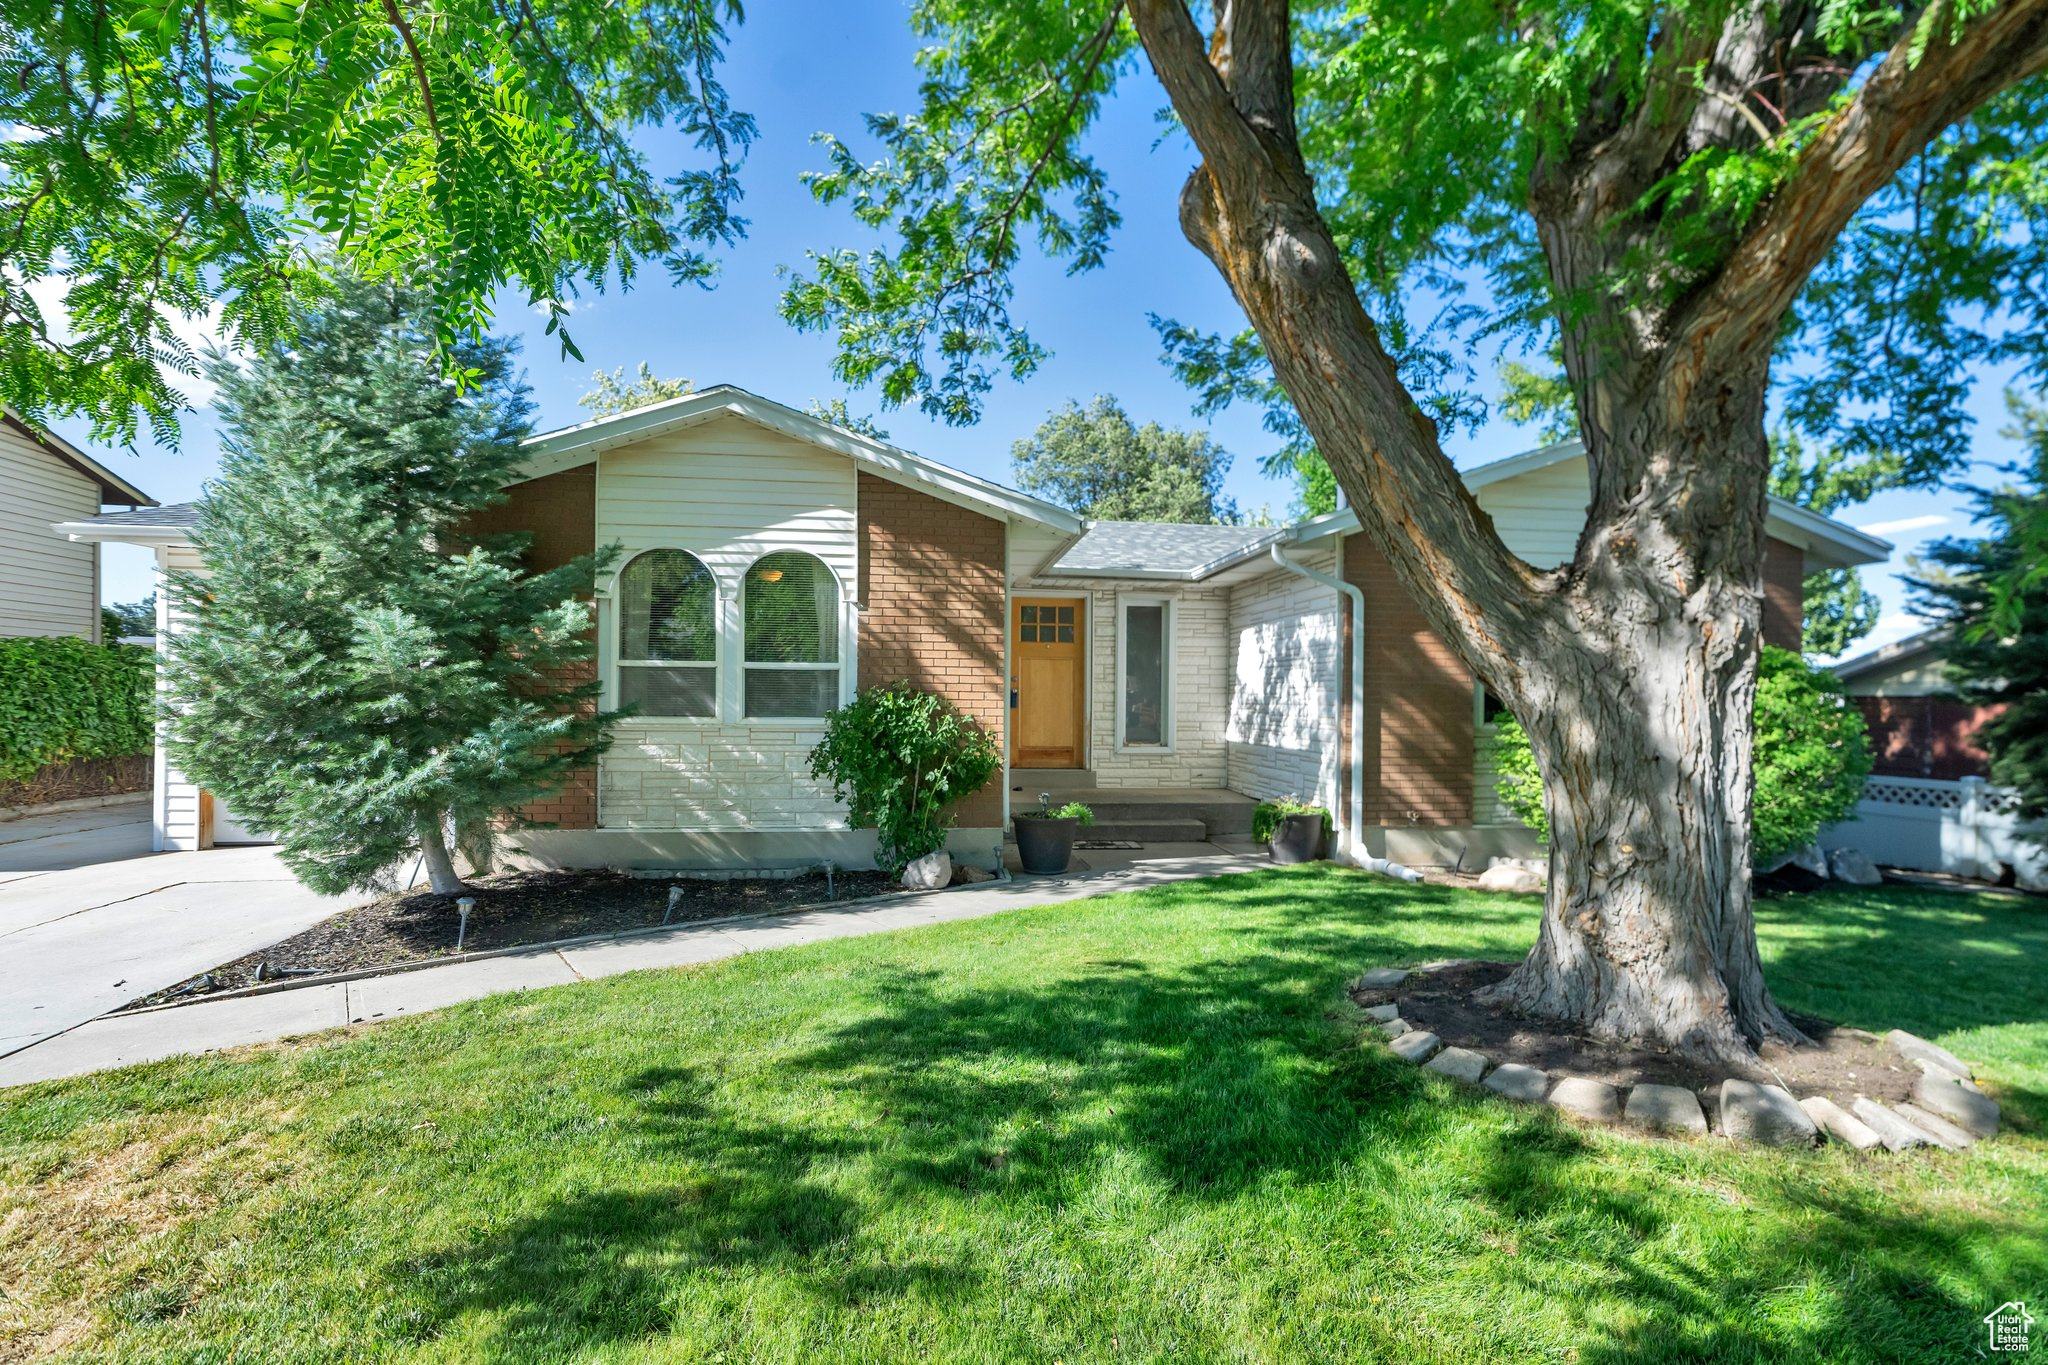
<point>1842,1064</point>
<point>514,908</point>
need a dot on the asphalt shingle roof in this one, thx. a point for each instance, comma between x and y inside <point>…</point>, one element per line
<point>177,514</point>
<point>1126,546</point>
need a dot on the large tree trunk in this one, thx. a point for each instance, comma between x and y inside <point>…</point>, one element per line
<point>441,874</point>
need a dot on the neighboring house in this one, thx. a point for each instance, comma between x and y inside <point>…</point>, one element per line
<point>50,585</point>
<point>773,564</point>
<point>1919,727</point>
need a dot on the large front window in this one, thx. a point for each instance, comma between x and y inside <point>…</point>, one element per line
<point>1147,719</point>
<point>791,660</point>
<point>668,635</point>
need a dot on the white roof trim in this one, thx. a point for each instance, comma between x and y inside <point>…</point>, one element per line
<point>86,463</point>
<point>1829,544</point>
<point>126,535</point>
<point>579,445</point>
<point>1898,651</point>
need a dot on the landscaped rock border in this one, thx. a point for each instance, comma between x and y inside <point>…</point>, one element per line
<point>1948,1110</point>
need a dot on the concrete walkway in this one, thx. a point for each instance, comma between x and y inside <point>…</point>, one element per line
<point>124,1040</point>
<point>91,919</point>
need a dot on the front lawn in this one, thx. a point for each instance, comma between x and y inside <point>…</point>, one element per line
<point>1135,1128</point>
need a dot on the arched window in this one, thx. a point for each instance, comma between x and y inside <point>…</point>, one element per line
<point>791,604</point>
<point>668,635</point>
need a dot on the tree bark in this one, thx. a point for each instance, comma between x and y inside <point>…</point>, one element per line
<point>441,874</point>
<point>1633,667</point>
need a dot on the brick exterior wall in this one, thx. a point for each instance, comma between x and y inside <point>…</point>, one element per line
<point>1784,595</point>
<point>560,512</point>
<point>1418,705</point>
<point>1923,736</point>
<point>934,611</point>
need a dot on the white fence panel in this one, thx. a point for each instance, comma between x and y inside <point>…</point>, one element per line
<point>1967,828</point>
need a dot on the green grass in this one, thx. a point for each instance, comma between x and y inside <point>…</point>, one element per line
<point>1136,1128</point>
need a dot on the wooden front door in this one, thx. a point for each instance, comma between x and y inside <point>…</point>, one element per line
<point>1047,658</point>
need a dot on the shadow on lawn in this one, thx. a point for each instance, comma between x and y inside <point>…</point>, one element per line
<point>1227,1080</point>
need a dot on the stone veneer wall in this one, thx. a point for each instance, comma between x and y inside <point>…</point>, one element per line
<point>933,611</point>
<point>1200,756</point>
<point>1286,665</point>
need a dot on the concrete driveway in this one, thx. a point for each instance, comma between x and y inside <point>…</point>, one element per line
<point>90,918</point>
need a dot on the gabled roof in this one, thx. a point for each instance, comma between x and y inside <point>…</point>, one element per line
<point>1827,543</point>
<point>1158,550</point>
<point>579,445</point>
<point>1897,654</point>
<point>144,526</point>
<point>113,488</point>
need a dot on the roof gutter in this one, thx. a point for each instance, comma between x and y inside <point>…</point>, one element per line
<point>1354,820</point>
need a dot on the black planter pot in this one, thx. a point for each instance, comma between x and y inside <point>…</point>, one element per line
<point>1045,843</point>
<point>1298,838</point>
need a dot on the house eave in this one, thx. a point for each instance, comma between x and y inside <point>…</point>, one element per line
<point>113,488</point>
<point>555,451</point>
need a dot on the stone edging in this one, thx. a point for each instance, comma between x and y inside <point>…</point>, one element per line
<point>1949,1112</point>
<point>546,946</point>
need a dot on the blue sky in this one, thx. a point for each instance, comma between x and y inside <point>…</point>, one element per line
<point>801,68</point>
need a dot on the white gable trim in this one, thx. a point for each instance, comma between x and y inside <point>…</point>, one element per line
<point>579,445</point>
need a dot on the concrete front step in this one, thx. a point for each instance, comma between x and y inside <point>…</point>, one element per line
<point>1148,831</point>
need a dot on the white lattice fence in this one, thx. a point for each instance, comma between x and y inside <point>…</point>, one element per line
<point>1967,828</point>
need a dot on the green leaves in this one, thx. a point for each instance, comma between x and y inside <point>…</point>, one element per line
<point>900,758</point>
<point>174,165</point>
<point>1096,461</point>
<point>63,698</point>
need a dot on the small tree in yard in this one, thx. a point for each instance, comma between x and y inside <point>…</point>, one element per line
<point>900,758</point>
<point>353,678</point>
<point>1706,209</point>
<point>1993,594</point>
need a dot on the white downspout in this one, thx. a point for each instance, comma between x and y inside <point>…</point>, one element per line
<point>1354,823</point>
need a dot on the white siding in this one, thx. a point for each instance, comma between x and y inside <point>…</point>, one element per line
<point>1286,664</point>
<point>1539,514</point>
<point>49,585</point>
<point>729,492</point>
<point>1031,544</point>
<point>177,799</point>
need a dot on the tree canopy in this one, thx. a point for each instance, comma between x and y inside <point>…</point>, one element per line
<point>169,162</point>
<point>611,393</point>
<point>1987,591</point>
<point>1101,464</point>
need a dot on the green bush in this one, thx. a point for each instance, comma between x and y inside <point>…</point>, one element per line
<point>63,698</point>
<point>1812,755</point>
<point>1267,815</point>
<point>900,757</point>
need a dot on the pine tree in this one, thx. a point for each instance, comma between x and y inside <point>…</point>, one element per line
<point>355,678</point>
<point>1991,594</point>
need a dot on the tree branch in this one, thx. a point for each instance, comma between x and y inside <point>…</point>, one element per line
<point>419,63</point>
<point>1900,109</point>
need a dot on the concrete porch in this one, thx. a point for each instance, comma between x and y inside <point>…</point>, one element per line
<point>1143,815</point>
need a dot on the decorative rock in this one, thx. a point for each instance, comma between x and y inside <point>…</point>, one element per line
<point>1812,860</point>
<point>1595,1101</point>
<point>1764,1114</point>
<point>1895,1133</point>
<point>1394,1028</point>
<point>1415,1046</point>
<point>1460,1064</point>
<point>1507,877</point>
<point>1853,865</point>
<point>1920,1050</point>
<point>1946,1096</point>
<point>1518,1082</point>
<point>1838,1123</point>
<point>1383,1013</point>
<point>1382,978</point>
<point>1944,1133</point>
<point>1666,1109</point>
<point>930,872</point>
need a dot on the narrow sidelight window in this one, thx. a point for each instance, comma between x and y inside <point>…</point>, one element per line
<point>668,635</point>
<point>791,605</point>
<point>1146,720</point>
